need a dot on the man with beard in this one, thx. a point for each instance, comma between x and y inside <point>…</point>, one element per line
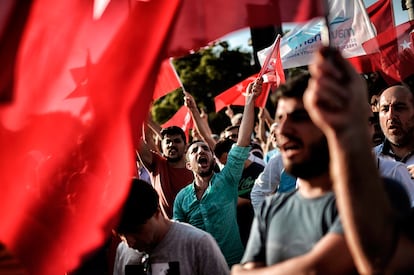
<point>168,172</point>
<point>376,215</point>
<point>210,202</point>
<point>299,231</point>
<point>396,115</point>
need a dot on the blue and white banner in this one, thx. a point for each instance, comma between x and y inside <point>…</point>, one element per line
<point>349,28</point>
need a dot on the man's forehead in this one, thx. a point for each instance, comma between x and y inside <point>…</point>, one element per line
<point>198,144</point>
<point>289,105</point>
<point>175,136</point>
<point>396,93</point>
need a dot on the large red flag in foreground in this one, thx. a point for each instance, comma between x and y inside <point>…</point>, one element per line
<point>67,160</point>
<point>182,118</point>
<point>396,51</point>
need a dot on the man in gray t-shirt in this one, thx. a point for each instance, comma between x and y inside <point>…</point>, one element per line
<point>153,244</point>
<point>300,231</point>
<point>285,237</point>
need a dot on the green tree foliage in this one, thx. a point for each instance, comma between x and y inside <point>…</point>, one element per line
<point>205,74</point>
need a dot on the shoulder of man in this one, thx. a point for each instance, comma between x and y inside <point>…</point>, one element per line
<point>275,202</point>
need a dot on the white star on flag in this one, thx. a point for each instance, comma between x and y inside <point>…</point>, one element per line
<point>240,87</point>
<point>405,45</point>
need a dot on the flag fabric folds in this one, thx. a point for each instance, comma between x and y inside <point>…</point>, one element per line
<point>216,18</point>
<point>396,52</point>
<point>67,161</point>
<point>13,17</point>
<point>349,25</point>
<point>381,15</point>
<point>167,80</point>
<point>272,70</point>
<point>234,95</point>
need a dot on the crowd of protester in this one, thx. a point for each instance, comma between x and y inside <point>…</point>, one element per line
<point>277,193</point>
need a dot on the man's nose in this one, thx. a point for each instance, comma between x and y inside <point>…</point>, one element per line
<point>391,113</point>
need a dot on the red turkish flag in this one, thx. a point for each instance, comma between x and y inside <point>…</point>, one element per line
<point>167,80</point>
<point>272,69</point>
<point>396,51</point>
<point>381,15</point>
<point>236,95</point>
<point>69,134</point>
<point>182,118</point>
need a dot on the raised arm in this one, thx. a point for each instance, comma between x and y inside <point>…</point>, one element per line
<point>261,129</point>
<point>247,124</point>
<point>147,144</point>
<point>336,100</point>
<point>201,125</point>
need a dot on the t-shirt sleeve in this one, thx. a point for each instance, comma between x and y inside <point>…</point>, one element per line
<point>337,226</point>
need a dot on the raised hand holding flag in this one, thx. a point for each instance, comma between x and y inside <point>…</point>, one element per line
<point>234,95</point>
<point>271,72</point>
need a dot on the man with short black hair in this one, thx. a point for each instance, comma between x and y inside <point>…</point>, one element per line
<point>167,172</point>
<point>210,202</point>
<point>298,232</point>
<point>325,144</point>
<point>152,242</point>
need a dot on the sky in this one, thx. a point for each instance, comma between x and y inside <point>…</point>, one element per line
<point>240,38</point>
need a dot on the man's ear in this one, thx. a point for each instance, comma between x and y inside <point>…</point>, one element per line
<point>188,165</point>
